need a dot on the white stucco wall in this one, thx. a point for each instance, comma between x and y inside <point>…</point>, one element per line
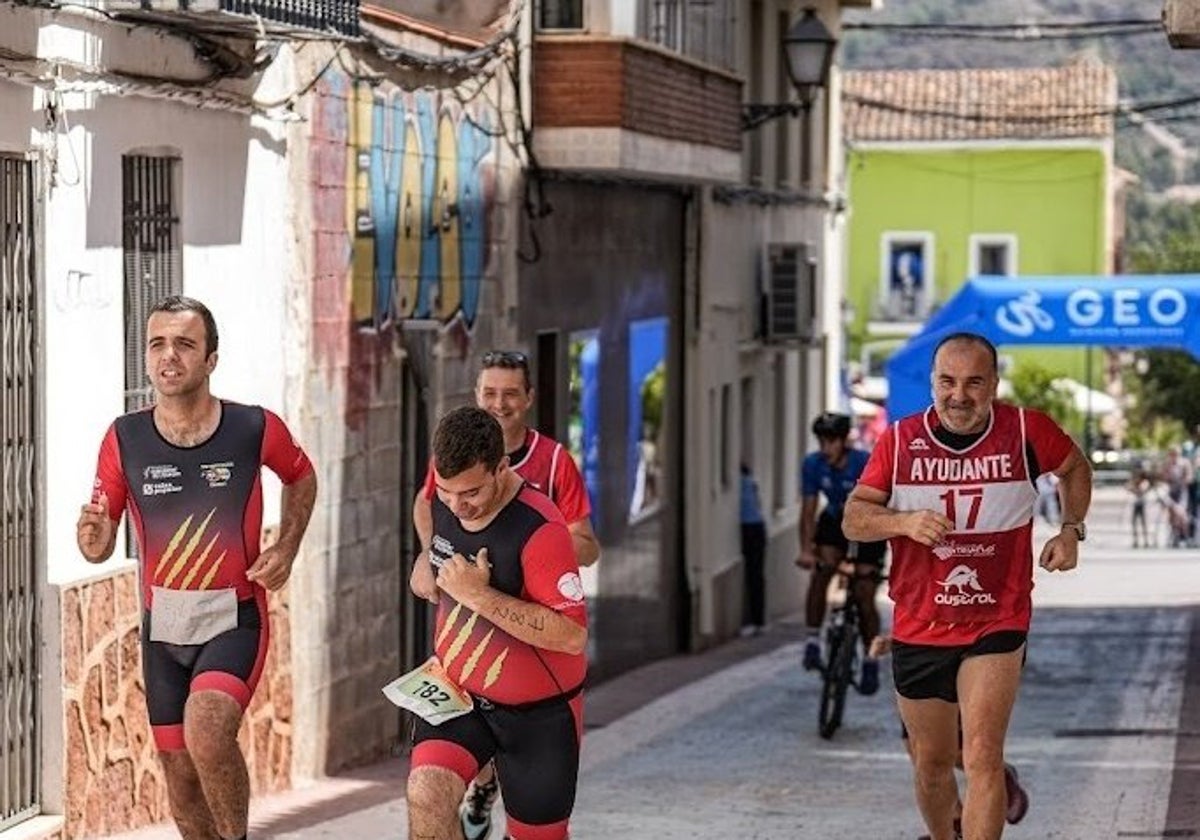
<point>231,196</point>
<point>787,389</point>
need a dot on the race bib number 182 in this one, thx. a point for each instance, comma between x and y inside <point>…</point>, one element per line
<point>429,692</point>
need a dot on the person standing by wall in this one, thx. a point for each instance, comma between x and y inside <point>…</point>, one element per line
<point>189,470</point>
<point>754,548</point>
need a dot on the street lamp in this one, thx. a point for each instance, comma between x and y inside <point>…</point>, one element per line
<point>808,47</point>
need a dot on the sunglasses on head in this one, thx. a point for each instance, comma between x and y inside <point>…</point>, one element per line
<point>505,359</point>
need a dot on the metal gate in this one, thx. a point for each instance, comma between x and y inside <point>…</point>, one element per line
<point>19,783</point>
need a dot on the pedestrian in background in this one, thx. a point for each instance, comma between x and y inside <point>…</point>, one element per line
<point>754,548</point>
<point>1047,500</point>
<point>1139,488</point>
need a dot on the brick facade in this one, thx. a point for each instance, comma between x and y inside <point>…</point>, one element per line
<point>611,83</point>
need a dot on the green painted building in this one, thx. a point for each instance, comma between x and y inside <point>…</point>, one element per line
<point>956,173</point>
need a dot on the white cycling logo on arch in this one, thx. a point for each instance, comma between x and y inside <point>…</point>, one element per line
<point>1024,315</point>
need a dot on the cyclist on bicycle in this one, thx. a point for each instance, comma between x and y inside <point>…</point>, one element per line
<point>832,471</point>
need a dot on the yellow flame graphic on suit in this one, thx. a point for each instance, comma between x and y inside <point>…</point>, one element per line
<point>168,571</point>
<point>459,643</point>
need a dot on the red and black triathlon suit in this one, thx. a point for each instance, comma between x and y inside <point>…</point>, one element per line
<point>971,593</point>
<point>528,701</point>
<point>198,513</point>
<point>547,466</point>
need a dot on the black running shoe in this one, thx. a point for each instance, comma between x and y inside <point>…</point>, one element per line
<point>476,810</point>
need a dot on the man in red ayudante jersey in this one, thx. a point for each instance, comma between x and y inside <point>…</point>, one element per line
<point>188,469</point>
<point>953,489</point>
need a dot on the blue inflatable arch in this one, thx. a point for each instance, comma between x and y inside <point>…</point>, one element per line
<point>1135,310</point>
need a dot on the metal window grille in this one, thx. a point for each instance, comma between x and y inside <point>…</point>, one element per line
<point>664,25</point>
<point>560,14</point>
<point>702,29</point>
<point>152,259</point>
<point>20,787</point>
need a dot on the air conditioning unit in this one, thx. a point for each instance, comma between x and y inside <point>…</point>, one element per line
<point>791,294</point>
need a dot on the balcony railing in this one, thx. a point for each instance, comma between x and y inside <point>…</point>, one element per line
<point>340,16</point>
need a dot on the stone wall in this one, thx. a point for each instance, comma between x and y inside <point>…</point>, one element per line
<point>114,781</point>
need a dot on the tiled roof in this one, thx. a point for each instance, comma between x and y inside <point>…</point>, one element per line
<point>982,104</point>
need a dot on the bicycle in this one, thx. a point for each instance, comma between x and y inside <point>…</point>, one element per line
<point>842,655</point>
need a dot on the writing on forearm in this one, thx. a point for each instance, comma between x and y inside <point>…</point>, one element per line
<point>520,617</point>
<point>530,622</point>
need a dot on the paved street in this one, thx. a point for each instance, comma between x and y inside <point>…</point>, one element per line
<point>735,753</point>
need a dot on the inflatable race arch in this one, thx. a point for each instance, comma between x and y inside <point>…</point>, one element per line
<point>1134,310</point>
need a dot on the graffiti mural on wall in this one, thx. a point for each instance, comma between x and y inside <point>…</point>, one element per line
<point>419,177</point>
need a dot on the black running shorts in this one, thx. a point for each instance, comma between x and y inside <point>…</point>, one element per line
<point>926,672</point>
<point>230,663</point>
<point>536,750</point>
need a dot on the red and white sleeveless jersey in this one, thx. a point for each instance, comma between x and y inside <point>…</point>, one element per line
<point>983,570</point>
<point>979,580</point>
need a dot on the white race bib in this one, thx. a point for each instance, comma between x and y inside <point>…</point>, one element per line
<point>429,692</point>
<point>191,616</point>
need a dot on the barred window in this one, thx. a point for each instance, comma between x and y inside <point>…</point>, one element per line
<point>153,264</point>
<point>560,14</point>
<point>701,29</point>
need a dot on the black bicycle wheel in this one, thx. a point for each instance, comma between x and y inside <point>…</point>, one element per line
<point>837,681</point>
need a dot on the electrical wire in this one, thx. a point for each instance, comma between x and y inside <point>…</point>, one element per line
<point>1022,31</point>
<point>1027,114</point>
<point>993,27</point>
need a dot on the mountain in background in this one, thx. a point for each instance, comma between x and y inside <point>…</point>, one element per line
<point>1162,153</point>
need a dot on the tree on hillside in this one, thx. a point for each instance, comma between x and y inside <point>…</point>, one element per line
<point>1148,70</point>
<point>1150,225</point>
<point>1170,388</point>
<point>1165,239</point>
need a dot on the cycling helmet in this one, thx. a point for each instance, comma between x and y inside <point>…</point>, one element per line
<point>830,425</point>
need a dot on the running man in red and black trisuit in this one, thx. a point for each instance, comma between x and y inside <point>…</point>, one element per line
<point>832,472</point>
<point>504,389</point>
<point>188,469</point>
<point>511,631</point>
<point>952,488</point>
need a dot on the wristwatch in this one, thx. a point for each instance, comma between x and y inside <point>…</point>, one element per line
<point>1080,529</point>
